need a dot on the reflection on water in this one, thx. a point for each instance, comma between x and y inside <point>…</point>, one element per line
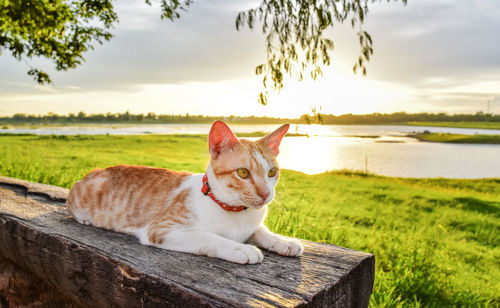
<point>383,130</point>
<point>311,130</point>
<point>410,158</point>
<point>380,149</point>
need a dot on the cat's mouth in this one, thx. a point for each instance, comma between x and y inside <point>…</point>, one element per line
<point>258,206</point>
<point>254,203</point>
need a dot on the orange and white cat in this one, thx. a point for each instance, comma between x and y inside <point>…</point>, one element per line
<point>213,214</point>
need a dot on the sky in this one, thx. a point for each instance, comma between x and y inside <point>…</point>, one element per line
<point>429,56</point>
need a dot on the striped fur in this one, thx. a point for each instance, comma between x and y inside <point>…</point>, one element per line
<point>166,209</point>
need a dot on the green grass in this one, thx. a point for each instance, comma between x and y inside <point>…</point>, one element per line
<point>458,138</point>
<point>436,241</point>
<point>485,125</point>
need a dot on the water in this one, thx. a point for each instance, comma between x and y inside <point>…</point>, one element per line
<point>318,130</point>
<point>335,147</point>
<point>409,158</point>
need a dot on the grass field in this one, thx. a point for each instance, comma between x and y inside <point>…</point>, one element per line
<point>459,138</point>
<point>436,241</point>
<point>486,125</point>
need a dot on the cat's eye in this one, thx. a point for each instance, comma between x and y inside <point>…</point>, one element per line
<point>243,172</point>
<point>272,172</point>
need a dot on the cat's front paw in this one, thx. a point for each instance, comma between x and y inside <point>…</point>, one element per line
<point>244,254</point>
<point>288,247</point>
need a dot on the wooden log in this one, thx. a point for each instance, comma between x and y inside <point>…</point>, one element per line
<point>59,262</point>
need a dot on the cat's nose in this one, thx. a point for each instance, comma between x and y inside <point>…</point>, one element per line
<point>263,195</point>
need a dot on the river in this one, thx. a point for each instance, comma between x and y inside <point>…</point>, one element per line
<point>380,149</point>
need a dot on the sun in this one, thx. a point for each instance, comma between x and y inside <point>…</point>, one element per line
<point>339,92</point>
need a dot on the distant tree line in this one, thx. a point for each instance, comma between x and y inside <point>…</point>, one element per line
<point>398,117</point>
<point>127,117</point>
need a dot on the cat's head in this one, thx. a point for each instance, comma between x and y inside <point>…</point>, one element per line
<point>243,172</point>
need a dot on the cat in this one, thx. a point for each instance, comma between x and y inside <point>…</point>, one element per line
<point>218,214</point>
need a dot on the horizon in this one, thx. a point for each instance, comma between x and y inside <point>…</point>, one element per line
<point>249,116</point>
<point>429,58</point>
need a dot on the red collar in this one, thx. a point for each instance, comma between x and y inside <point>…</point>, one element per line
<point>207,192</point>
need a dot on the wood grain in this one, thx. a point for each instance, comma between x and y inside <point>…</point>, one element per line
<point>77,265</point>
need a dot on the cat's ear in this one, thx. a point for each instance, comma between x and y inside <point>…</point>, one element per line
<point>273,140</point>
<point>219,138</point>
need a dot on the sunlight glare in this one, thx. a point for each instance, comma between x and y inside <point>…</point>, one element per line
<point>311,159</point>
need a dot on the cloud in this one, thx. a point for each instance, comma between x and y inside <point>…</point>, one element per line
<point>201,46</point>
<point>436,38</point>
<point>445,50</point>
<point>442,53</point>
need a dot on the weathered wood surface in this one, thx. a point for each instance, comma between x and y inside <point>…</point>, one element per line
<point>58,262</point>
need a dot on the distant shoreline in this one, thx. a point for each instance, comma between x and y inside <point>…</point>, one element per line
<point>478,120</point>
<point>477,125</point>
<point>457,138</point>
<point>422,136</point>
